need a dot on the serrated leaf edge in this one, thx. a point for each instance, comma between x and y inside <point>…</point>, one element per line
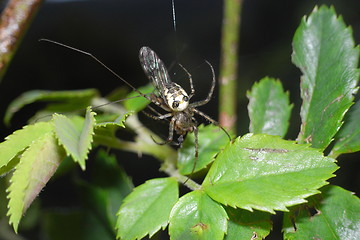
<point>300,198</point>
<point>80,159</point>
<point>10,189</point>
<point>150,233</point>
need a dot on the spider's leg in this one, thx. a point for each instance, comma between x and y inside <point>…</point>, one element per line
<point>159,115</point>
<point>154,110</point>
<point>171,133</point>
<point>158,101</point>
<point>205,101</point>
<point>196,135</point>
<point>191,81</point>
<point>212,121</point>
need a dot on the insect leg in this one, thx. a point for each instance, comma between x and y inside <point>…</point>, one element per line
<point>205,101</point>
<point>191,81</point>
<point>212,121</point>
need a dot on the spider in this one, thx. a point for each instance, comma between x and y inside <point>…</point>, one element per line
<point>174,99</point>
<point>170,96</point>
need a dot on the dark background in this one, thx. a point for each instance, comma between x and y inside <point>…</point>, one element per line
<point>114,31</point>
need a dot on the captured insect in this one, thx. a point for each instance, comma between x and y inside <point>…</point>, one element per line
<point>168,95</point>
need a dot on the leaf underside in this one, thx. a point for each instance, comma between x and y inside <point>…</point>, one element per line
<point>37,164</point>
<point>19,140</point>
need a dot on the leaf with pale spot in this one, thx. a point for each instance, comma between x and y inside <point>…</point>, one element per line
<point>196,216</point>
<point>267,173</point>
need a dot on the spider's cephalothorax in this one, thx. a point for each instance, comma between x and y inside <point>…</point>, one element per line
<point>176,97</point>
<point>173,98</point>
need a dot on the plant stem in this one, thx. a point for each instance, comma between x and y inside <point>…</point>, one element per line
<point>15,19</point>
<point>229,61</point>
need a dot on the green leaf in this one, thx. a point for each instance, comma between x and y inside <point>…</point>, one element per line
<point>73,223</point>
<point>100,197</point>
<point>117,93</point>
<point>67,108</point>
<point>58,224</point>
<point>38,163</point>
<point>137,104</point>
<point>107,188</point>
<point>10,166</point>
<point>147,208</point>
<point>269,107</point>
<point>337,217</point>
<point>348,138</point>
<point>211,140</point>
<point>42,95</point>
<point>20,140</point>
<point>105,131</point>
<point>247,225</point>
<point>119,121</point>
<point>75,135</point>
<point>105,136</point>
<point>197,216</point>
<point>323,49</point>
<point>267,173</point>
<point>96,203</point>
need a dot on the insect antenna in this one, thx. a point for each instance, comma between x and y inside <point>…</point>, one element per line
<point>121,100</point>
<point>97,60</point>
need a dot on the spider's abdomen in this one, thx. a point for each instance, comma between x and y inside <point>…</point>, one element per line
<point>176,97</point>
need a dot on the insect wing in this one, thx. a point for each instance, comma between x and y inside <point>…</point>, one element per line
<point>154,69</point>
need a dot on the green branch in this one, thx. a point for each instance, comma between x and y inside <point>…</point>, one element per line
<point>229,60</point>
